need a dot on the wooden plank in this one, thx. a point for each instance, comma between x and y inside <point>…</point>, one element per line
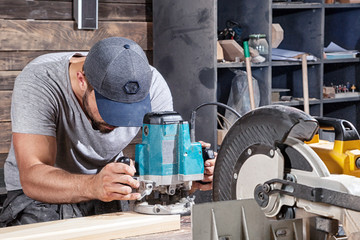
<point>5,100</point>
<point>60,10</point>
<point>5,138</point>
<point>7,79</point>
<point>61,35</point>
<point>107,226</point>
<point>351,224</point>
<point>2,181</point>
<point>183,234</point>
<point>127,1</point>
<point>113,1</point>
<point>20,9</point>
<point>133,12</point>
<point>3,157</point>
<point>15,61</point>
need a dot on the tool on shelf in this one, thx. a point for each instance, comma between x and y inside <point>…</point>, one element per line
<point>305,83</point>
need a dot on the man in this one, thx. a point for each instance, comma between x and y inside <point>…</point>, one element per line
<point>71,115</point>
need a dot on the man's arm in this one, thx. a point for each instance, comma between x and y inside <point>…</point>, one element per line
<point>35,156</point>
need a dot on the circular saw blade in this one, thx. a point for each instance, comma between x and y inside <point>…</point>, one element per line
<point>256,165</point>
<point>263,131</point>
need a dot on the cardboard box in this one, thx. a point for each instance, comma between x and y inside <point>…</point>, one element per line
<point>232,50</point>
<point>328,92</point>
<point>220,53</point>
<point>277,35</point>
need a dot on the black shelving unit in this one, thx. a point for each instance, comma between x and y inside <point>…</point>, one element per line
<point>185,35</point>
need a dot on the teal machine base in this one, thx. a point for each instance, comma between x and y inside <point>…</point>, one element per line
<point>167,163</point>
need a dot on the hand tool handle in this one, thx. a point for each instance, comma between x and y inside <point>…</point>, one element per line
<point>305,83</point>
<point>207,153</point>
<point>123,159</point>
<point>249,75</point>
<point>343,129</point>
<point>127,161</point>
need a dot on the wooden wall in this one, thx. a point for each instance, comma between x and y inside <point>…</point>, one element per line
<point>29,28</point>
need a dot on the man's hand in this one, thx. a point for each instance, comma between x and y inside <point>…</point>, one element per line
<point>115,182</point>
<point>42,181</point>
<point>208,172</point>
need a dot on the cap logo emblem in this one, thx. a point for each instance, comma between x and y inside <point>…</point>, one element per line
<point>131,87</point>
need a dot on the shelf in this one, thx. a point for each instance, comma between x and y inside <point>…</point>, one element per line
<point>292,63</point>
<point>335,100</point>
<point>273,63</point>
<point>296,103</point>
<point>308,26</point>
<point>294,5</point>
<point>342,5</point>
<point>343,60</point>
<point>241,65</point>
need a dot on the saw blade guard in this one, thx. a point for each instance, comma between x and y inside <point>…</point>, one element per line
<point>260,131</point>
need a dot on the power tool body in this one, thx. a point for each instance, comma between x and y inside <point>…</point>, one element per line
<point>167,162</point>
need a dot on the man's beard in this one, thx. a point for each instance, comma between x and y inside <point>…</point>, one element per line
<point>96,125</point>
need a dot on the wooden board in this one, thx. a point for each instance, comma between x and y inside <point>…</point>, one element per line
<point>62,10</point>
<point>7,79</point>
<point>62,35</point>
<point>108,226</point>
<point>5,100</point>
<point>3,157</point>
<point>16,61</point>
<point>5,136</point>
<point>124,12</point>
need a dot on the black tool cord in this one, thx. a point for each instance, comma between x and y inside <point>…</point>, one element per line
<point>193,116</point>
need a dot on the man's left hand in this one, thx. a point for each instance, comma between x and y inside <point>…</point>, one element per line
<point>208,172</point>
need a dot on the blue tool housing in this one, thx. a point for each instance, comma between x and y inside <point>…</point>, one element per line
<point>166,154</point>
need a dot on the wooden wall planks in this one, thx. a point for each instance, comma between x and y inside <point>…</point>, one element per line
<point>7,79</point>
<point>62,10</point>
<point>5,100</point>
<point>17,60</point>
<point>5,138</point>
<point>61,35</point>
<point>33,28</point>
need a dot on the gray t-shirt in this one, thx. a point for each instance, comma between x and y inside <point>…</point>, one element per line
<point>43,103</point>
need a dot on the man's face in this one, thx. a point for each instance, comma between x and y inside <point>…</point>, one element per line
<point>92,112</point>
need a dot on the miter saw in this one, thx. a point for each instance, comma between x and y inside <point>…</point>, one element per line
<point>264,159</point>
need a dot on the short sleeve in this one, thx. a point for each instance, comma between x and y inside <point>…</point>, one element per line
<point>160,95</point>
<point>33,107</point>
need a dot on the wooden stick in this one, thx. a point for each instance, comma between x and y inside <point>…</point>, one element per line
<point>249,75</point>
<point>99,227</point>
<point>305,83</point>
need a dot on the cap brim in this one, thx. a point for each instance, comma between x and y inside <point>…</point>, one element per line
<point>122,114</point>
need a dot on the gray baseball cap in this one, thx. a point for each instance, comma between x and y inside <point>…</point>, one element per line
<point>120,73</point>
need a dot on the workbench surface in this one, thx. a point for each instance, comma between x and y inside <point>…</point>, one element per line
<point>183,234</point>
<point>119,225</point>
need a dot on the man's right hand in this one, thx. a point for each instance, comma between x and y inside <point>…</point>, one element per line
<point>115,182</point>
<point>42,181</point>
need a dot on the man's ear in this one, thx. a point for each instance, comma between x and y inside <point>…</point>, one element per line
<point>81,80</point>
